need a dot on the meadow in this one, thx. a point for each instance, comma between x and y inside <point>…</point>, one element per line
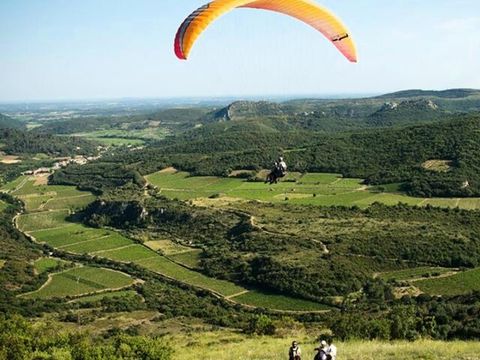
<point>81,281</point>
<point>308,189</point>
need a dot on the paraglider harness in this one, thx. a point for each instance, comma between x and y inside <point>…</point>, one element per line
<point>277,172</point>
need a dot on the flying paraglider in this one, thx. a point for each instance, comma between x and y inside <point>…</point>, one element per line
<point>304,10</point>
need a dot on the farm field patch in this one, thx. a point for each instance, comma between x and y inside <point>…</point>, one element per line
<point>189,259</point>
<point>98,244</point>
<point>43,220</point>
<point>461,283</point>
<point>80,281</point>
<point>169,268</point>
<point>131,253</point>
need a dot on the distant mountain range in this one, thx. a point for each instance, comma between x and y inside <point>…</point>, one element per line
<point>407,107</point>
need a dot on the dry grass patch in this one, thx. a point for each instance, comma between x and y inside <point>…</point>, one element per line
<point>167,247</point>
<point>438,165</point>
<point>10,159</point>
<point>169,170</point>
<point>41,179</point>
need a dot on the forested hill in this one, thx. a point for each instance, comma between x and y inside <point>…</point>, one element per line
<point>379,156</point>
<point>22,142</point>
<point>8,122</point>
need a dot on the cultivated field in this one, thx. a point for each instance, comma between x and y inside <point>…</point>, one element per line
<point>81,281</point>
<point>309,189</point>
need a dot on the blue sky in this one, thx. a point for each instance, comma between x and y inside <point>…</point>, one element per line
<point>88,49</point>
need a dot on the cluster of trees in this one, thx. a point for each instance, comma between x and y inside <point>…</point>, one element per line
<point>25,142</point>
<point>377,316</point>
<point>97,177</point>
<point>20,339</point>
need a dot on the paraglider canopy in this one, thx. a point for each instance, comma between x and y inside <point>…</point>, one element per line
<point>304,10</point>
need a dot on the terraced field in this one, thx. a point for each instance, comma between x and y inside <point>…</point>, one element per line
<point>81,281</point>
<point>309,189</point>
<point>51,226</point>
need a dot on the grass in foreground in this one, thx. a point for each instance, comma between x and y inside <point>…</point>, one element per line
<point>233,346</point>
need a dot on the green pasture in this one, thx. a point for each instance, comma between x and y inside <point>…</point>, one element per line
<point>80,281</point>
<point>414,273</point>
<point>107,295</point>
<point>46,264</point>
<point>278,302</point>
<point>461,283</point>
<point>310,189</point>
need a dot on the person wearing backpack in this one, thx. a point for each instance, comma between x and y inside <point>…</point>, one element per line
<point>295,353</point>
<point>321,351</point>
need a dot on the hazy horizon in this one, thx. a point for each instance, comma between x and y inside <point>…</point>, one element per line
<point>64,51</point>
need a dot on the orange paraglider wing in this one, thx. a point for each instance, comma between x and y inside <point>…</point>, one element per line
<point>304,10</point>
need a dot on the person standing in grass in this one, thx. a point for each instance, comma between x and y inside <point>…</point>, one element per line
<point>331,350</point>
<point>295,353</point>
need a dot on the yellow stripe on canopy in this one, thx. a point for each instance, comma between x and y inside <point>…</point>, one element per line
<point>307,11</point>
